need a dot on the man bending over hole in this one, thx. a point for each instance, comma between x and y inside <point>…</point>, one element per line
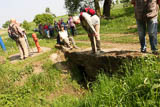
<point>91,23</point>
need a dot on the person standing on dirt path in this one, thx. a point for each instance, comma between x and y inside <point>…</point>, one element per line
<point>16,33</point>
<point>91,23</point>
<point>146,14</point>
<point>72,26</point>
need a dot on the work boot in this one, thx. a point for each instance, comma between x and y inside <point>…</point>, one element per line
<point>98,44</point>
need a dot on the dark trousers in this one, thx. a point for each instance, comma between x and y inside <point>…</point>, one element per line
<point>72,30</point>
<point>95,43</point>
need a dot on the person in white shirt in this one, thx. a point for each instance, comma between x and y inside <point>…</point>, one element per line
<point>65,39</point>
<point>91,23</point>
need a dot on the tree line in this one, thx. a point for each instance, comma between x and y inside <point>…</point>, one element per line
<point>74,5</point>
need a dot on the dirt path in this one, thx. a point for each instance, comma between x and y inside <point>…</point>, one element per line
<point>118,34</point>
<point>16,57</point>
<point>120,46</point>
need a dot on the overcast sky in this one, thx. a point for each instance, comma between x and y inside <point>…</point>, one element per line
<point>27,9</point>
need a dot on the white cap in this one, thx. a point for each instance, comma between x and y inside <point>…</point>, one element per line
<point>75,18</point>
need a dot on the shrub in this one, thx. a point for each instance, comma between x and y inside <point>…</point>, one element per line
<point>43,19</point>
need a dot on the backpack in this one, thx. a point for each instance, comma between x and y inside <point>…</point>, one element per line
<point>88,10</point>
<point>13,34</point>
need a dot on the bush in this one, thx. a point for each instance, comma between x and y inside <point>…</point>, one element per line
<point>43,19</point>
<point>28,25</point>
<point>6,24</point>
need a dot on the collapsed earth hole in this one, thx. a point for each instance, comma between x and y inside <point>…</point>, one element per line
<point>85,67</point>
<point>78,73</point>
<point>110,63</point>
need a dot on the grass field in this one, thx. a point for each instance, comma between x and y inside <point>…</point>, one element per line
<point>54,87</point>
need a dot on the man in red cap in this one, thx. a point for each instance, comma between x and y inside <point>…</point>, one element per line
<point>91,23</point>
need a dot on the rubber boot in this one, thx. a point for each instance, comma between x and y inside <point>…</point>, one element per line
<point>98,44</point>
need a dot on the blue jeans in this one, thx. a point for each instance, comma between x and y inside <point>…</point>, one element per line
<point>152,31</point>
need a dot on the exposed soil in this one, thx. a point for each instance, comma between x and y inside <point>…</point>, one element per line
<point>66,90</point>
<point>21,81</point>
<point>115,46</point>
<point>59,60</point>
<point>2,59</point>
<point>132,27</point>
<point>117,34</point>
<point>37,69</point>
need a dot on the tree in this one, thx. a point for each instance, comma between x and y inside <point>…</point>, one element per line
<point>73,5</point>
<point>43,19</point>
<point>47,10</point>
<point>107,8</point>
<point>97,7</point>
<point>6,24</point>
<point>26,25</point>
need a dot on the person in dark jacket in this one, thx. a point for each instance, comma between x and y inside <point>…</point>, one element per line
<point>146,14</point>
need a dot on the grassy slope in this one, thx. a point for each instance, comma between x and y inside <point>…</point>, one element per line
<point>110,91</point>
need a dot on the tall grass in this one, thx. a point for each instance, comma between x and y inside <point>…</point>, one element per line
<point>140,87</point>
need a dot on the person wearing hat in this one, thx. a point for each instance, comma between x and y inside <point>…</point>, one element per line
<point>91,23</point>
<point>65,39</point>
<point>16,33</point>
<point>146,14</point>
